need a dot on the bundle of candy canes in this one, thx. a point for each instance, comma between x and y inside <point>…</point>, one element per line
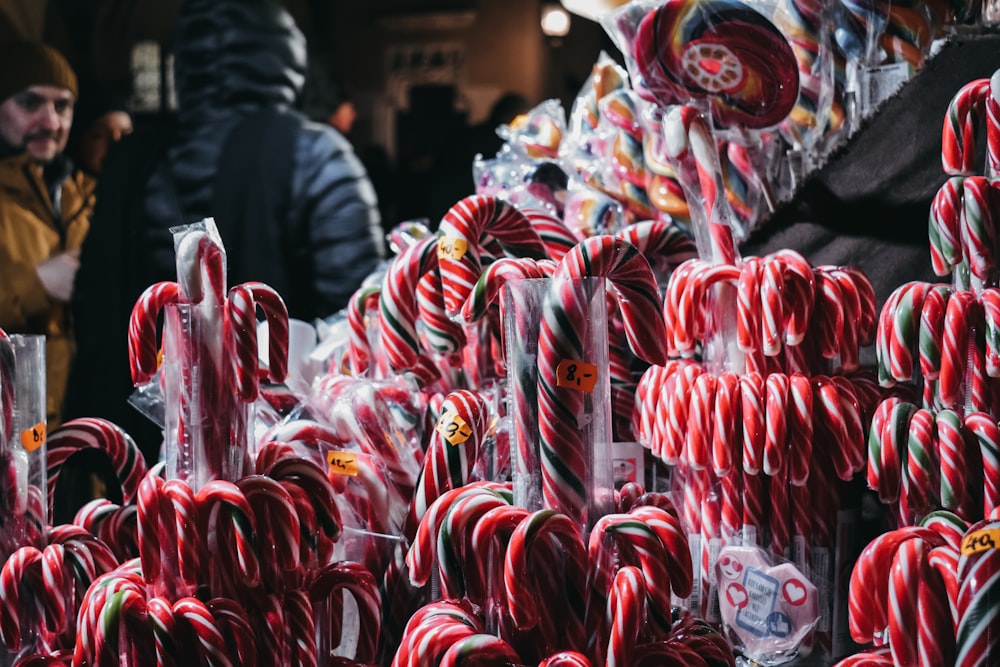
<point>210,341</point>
<point>922,593</point>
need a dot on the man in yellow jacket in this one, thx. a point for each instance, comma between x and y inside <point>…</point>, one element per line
<point>45,205</point>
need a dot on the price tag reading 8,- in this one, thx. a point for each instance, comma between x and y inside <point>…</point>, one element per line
<point>453,428</point>
<point>578,375</point>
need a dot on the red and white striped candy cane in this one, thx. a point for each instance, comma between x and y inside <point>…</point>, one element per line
<point>546,545</point>
<point>241,307</point>
<point>990,300</point>
<point>977,636</point>
<point>241,557</point>
<point>961,317</point>
<point>664,244</point>
<point>689,141</point>
<point>15,571</point>
<point>694,320</point>
<point>454,556</point>
<point>800,429</point>
<point>904,590</point>
<point>423,546</point>
<point>945,228</point>
<point>776,388</point>
<point>566,659</point>
<point>984,427</point>
<point>935,626</point>
<point>753,401</point>
<point>453,451</point>
<point>958,133</point>
<point>328,585</point>
<point>829,417</point>
<point>626,610</point>
<point>725,415</point>
<point>893,448</point>
<point>360,350</point>
<point>142,345</point>
<point>277,523</point>
<point>482,649</point>
<point>921,466</point>
<point>563,330</point>
<point>977,228</point>
<point>211,645</point>
<point>952,457</point>
<point>931,334</point>
<point>100,434</point>
<point>748,317</point>
<point>700,433</point>
<point>398,304</point>
<point>462,229</point>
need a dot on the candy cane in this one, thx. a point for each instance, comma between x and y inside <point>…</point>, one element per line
<point>904,590</point>
<point>454,553</point>
<point>563,327</point>
<point>958,133</point>
<point>331,582</point>
<point>142,346</point>
<point>920,461</point>
<point>626,609</point>
<point>977,226</point>
<point>459,250</point>
<point>359,352</point>
<point>100,434</point>
<point>984,427</point>
<point>687,137</point>
<point>978,634</point>
<point>549,543</point>
<point>453,451</point>
<point>398,304</point>
<point>241,306</point>
<point>961,315</point>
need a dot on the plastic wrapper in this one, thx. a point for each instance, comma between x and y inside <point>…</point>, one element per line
<point>538,133</point>
<point>590,211</point>
<point>723,52</point>
<point>769,608</point>
<point>586,391</point>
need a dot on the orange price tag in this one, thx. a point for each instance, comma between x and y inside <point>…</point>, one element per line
<point>453,428</point>
<point>981,540</point>
<point>576,375</point>
<point>342,463</point>
<point>452,248</point>
<point>34,437</point>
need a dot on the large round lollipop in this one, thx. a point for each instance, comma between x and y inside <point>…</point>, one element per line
<point>722,50</point>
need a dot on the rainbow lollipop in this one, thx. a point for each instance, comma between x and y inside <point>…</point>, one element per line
<point>723,51</point>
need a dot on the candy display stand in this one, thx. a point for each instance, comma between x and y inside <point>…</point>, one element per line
<point>867,206</point>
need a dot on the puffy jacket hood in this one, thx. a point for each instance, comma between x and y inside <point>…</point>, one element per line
<point>236,55</point>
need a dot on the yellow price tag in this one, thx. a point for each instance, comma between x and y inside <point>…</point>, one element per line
<point>981,540</point>
<point>452,248</point>
<point>342,463</point>
<point>34,437</point>
<point>577,375</point>
<point>453,428</point>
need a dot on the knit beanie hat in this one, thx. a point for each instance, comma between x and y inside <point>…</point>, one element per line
<point>24,64</point>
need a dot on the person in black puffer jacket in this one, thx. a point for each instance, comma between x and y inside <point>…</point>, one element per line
<point>292,202</point>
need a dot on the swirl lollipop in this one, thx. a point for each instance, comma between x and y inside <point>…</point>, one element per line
<point>723,51</point>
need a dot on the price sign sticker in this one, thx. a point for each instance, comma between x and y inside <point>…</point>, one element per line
<point>981,540</point>
<point>452,248</point>
<point>572,374</point>
<point>343,463</point>
<point>34,437</point>
<point>453,428</point>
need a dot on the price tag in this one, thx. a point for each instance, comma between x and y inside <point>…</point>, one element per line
<point>576,375</point>
<point>343,463</point>
<point>452,248</point>
<point>34,437</point>
<point>981,540</point>
<point>453,428</point>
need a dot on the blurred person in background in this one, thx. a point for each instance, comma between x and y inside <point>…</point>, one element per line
<point>101,120</point>
<point>292,202</point>
<point>45,206</point>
